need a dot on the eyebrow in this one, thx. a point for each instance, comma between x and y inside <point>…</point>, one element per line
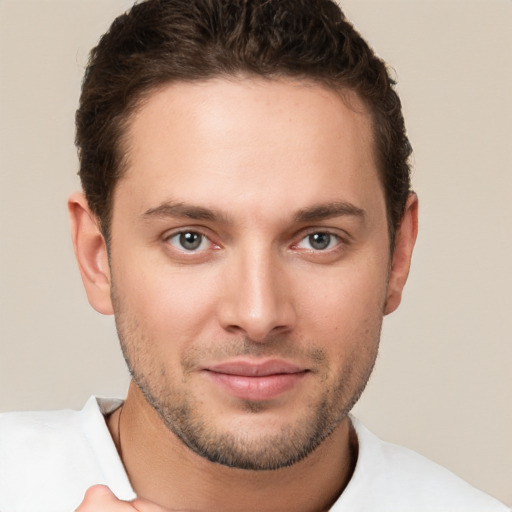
<point>178,209</point>
<point>311,213</point>
<point>328,211</point>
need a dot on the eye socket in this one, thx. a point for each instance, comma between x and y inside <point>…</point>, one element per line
<point>319,241</point>
<point>189,241</point>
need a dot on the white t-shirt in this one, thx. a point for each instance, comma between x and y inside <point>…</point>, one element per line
<point>49,459</point>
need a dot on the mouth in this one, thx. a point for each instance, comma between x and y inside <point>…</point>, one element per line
<point>256,381</point>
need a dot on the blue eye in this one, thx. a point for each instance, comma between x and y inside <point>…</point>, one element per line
<point>188,241</point>
<point>319,241</point>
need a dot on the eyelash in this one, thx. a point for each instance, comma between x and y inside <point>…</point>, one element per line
<point>331,237</point>
<point>203,238</point>
<point>183,233</point>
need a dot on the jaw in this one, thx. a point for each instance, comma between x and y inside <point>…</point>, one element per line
<point>162,469</point>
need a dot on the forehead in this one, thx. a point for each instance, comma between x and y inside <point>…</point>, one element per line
<point>263,140</point>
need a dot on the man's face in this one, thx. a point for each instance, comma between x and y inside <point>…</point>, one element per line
<point>249,264</point>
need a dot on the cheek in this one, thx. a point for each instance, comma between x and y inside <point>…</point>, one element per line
<point>345,313</point>
<point>171,303</point>
<point>343,299</point>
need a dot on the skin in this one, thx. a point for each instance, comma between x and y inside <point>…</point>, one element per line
<point>259,172</point>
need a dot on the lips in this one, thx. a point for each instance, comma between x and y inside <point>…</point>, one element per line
<point>256,380</point>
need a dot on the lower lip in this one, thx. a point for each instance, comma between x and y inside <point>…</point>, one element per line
<point>257,388</point>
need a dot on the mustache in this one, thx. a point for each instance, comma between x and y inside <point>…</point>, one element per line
<point>278,347</point>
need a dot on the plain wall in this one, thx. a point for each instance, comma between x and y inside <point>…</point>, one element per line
<point>443,382</point>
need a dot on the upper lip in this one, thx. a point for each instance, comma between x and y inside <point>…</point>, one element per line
<point>255,369</point>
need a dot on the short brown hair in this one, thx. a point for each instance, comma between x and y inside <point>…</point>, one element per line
<point>163,41</point>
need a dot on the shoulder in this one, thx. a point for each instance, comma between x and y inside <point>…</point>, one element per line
<point>393,478</point>
<point>54,456</point>
<point>28,436</point>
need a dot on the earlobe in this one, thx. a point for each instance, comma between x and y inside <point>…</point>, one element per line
<point>401,260</point>
<point>91,253</point>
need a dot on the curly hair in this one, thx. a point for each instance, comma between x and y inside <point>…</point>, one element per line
<point>163,41</point>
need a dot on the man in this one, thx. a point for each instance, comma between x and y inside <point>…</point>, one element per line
<point>248,219</point>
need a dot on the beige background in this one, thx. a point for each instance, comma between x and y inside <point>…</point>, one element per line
<point>443,383</point>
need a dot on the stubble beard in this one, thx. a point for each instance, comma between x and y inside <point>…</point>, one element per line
<point>180,411</point>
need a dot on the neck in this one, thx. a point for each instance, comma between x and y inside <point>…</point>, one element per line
<point>163,470</point>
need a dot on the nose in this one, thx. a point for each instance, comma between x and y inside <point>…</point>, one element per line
<point>257,299</point>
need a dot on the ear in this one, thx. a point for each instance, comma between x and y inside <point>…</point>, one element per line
<point>91,253</point>
<point>401,260</point>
